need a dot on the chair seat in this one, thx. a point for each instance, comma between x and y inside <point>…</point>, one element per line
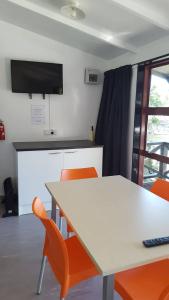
<point>81,265</point>
<point>143,283</point>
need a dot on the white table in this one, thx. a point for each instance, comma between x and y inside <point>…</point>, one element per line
<point>112,216</point>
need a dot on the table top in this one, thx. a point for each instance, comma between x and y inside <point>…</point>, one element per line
<point>112,216</point>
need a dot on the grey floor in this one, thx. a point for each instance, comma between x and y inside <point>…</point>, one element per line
<point>21,240</point>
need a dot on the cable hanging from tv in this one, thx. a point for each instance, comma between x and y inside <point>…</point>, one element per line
<point>30,96</point>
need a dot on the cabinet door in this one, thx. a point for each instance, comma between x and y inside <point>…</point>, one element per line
<point>34,169</point>
<point>83,158</point>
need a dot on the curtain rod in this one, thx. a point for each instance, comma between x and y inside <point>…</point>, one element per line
<point>150,60</point>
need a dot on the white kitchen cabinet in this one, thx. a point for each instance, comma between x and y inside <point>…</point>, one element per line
<point>83,158</point>
<point>39,166</point>
<point>34,169</point>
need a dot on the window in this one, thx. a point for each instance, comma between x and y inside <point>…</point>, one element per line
<point>154,133</point>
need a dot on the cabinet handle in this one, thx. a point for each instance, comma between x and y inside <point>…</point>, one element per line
<point>70,152</point>
<point>55,153</point>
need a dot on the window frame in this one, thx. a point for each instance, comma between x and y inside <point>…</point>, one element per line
<point>145,112</point>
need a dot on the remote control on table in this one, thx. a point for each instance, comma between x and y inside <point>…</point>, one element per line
<point>156,242</point>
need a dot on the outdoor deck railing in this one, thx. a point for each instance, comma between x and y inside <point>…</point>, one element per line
<point>162,171</point>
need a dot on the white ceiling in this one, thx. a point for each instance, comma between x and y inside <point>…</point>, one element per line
<point>111,27</point>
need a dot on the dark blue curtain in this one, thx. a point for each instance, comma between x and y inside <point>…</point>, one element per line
<point>113,118</point>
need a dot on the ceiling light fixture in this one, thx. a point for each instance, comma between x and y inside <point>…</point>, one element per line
<point>72,11</point>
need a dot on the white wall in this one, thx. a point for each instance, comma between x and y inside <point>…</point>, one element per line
<point>72,113</point>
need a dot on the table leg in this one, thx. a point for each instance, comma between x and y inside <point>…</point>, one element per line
<point>53,213</point>
<point>108,287</point>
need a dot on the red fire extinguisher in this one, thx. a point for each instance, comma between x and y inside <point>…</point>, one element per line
<point>2,131</point>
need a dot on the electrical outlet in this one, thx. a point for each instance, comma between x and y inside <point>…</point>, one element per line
<point>53,132</point>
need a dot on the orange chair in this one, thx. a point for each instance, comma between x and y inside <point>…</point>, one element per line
<point>143,283</point>
<point>82,173</point>
<point>72,174</point>
<point>165,294</point>
<point>161,188</point>
<point>67,258</point>
<point>147,282</point>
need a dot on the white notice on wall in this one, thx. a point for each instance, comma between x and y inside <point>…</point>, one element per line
<point>38,114</point>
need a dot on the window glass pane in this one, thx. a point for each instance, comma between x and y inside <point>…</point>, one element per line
<point>158,135</point>
<point>159,88</point>
<point>154,169</point>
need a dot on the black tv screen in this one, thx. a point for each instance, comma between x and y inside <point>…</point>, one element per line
<point>36,77</point>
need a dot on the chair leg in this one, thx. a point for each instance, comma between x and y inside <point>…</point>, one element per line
<point>42,268</point>
<point>60,224</point>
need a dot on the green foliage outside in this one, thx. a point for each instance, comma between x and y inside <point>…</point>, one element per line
<point>155,100</point>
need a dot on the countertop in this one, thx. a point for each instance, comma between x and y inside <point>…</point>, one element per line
<point>52,145</point>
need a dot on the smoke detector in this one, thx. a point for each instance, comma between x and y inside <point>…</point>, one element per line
<point>72,11</point>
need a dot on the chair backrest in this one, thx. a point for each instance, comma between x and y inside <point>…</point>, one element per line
<point>39,209</point>
<point>82,173</point>
<point>54,247</point>
<point>161,188</point>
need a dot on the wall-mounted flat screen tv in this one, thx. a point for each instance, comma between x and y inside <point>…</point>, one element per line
<point>36,77</point>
